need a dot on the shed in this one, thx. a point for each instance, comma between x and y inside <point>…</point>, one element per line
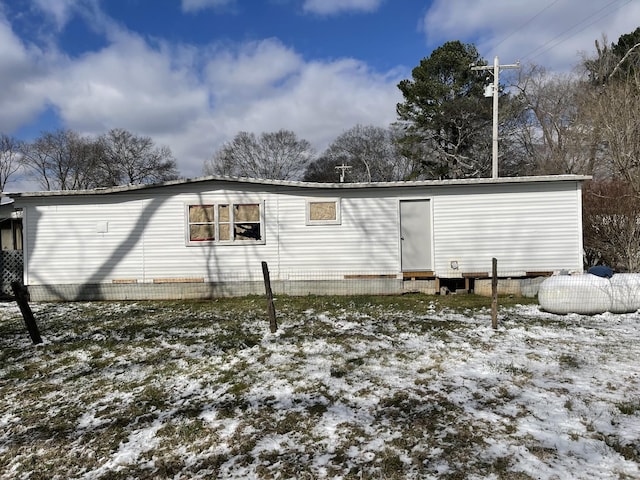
<point>207,237</point>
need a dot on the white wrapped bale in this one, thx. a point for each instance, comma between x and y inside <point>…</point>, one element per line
<point>626,292</point>
<point>583,294</point>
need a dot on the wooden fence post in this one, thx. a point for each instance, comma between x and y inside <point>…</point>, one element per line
<point>271,309</point>
<point>494,293</point>
<point>21,298</point>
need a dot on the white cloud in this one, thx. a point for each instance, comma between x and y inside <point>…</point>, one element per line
<point>331,7</point>
<point>327,98</point>
<point>316,100</point>
<point>21,70</point>
<point>251,69</point>
<point>193,106</point>
<point>192,99</point>
<point>552,34</point>
<point>57,10</point>
<point>196,5</point>
<point>127,85</point>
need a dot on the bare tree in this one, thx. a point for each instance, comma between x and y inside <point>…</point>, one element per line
<point>87,153</point>
<point>612,104</point>
<point>277,155</point>
<point>322,169</point>
<point>63,160</point>
<point>371,152</point>
<point>597,69</point>
<point>132,159</point>
<point>614,61</point>
<point>611,225</point>
<point>615,109</point>
<point>612,208</point>
<point>10,156</point>
<point>552,131</point>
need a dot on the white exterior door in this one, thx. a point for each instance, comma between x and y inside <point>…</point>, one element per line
<point>415,235</point>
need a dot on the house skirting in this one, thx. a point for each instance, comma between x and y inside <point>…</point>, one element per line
<point>196,289</point>
<point>203,290</point>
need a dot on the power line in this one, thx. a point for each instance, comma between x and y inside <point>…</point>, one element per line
<point>567,34</point>
<point>519,29</point>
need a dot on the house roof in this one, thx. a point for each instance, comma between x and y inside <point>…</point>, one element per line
<point>299,184</point>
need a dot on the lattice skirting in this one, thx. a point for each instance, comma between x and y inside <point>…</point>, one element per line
<point>11,264</point>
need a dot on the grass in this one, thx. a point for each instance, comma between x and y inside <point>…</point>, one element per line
<point>408,386</point>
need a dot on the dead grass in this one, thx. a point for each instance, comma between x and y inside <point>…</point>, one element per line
<point>183,386</point>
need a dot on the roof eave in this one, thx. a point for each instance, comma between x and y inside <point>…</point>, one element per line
<point>300,184</point>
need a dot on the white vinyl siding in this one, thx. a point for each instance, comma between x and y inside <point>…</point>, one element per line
<point>141,235</point>
<point>168,256</point>
<point>366,241</point>
<point>528,229</point>
<point>65,245</point>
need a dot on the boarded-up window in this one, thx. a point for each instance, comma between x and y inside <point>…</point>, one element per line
<point>225,223</point>
<point>201,223</point>
<point>323,212</point>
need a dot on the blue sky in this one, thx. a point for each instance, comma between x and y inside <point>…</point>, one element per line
<point>193,73</point>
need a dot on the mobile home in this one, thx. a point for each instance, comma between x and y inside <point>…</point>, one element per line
<point>205,237</point>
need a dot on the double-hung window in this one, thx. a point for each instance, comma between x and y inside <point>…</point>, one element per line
<point>225,223</point>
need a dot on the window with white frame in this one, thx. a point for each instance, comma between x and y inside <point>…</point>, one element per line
<point>225,223</point>
<point>323,211</point>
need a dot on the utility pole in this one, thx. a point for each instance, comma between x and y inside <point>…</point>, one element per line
<point>343,169</point>
<point>494,90</point>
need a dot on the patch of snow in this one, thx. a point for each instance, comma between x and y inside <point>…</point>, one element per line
<point>544,391</point>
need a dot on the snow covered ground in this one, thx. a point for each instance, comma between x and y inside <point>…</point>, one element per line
<point>155,390</point>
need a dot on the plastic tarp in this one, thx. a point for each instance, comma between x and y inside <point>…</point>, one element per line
<point>589,294</point>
